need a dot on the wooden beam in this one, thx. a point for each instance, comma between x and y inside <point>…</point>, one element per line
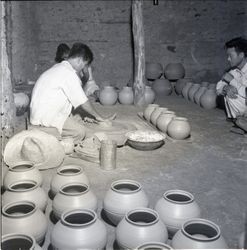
<point>139,51</point>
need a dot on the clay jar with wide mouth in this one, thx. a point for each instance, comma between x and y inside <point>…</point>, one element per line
<point>139,226</point>
<point>179,128</point>
<point>149,95</point>
<point>149,110</point>
<point>73,196</point>
<point>126,96</point>
<point>108,95</point>
<point>156,113</point>
<point>21,171</point>
<point>25,191</point>
<point>176,207</point>
<point>25,218</point>
<point>19,242</point>
<point>79,229</point>
<point>123,196</point>
<point>199,234</point>
<point>164,119</point>
<point>66,175</point>
<point>154,246</point>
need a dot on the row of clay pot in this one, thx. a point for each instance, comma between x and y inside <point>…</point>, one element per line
<point>167,122</point>
<point>203,94</point>
<point>109,96</point>
<point>172,71</point>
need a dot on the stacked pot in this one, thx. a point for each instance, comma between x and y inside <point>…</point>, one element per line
<point>167,122</point>
<point>203,94</point>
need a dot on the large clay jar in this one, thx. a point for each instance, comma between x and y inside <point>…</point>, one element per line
<point>199,234</point>
<point>126,96</point>
<point>25,191</point>
<point>185,90</point>
<point>123,196</point>
<point>164,119</point>
<point>162,87</point>
<point>176,207</point>
<point>79,229</point>
<point>154,246</point>
<point>153,70</point>
<point>24,170</point>
<point>193,89</point>
<point>156,113</point>
<point>140,226</point>
<point>198,94</point>
<point>174,71</point>
<point>25,218</point>
<point>19,242</point>
<point>179,85</point>
<point>208,99</point>
<point>149,110</point>
<point>73,196</point>
<point>108,95</point>
<point>66,175</point>
<point>179,128</point>
<point>149,95</point>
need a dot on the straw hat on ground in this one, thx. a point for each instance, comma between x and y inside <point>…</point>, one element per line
<point>43,149</point>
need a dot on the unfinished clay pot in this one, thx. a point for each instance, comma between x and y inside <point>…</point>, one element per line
<point>67,174</point>
<point>208,99</point>
<point>164,119</point>
<point>179,128</point>
<point>123,196</point>
<point>185,90</point>
<point>149,110</point>
<point>25,191</point>
<point>192,90</point>
<point>108,95</point>
<point>156,113</point>
<point>153,70</point>
<point>174,71</point>
<point>79,229</point>
<point>24,170</point>
<point>73,196</point>
<point>19,242</point>
<point>149,95</point>
<point>179,85</point>
<point>199,234</point>
<point>25,218</point>
<point>154,246</point>
<point>140,226</point>
<point>176,207</point>
<point>162,87</point>
<point>198,94</point>
<point>126,96</point>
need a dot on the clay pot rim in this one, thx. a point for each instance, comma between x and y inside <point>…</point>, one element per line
<point>12,236</point>
<point>179,118</point>
<point>203,222</point>
<point>108,87</point>
<point>74,184</point>
<point>145,210</point>
<point>181,192</point>
<point>10,186</point>
<point>168,112</point>
<point>155,244</point>
<point>30,165</point>
<point>69,167</point>
<point>78,211</point>
<point>12,204</point>
<point>133,182</point>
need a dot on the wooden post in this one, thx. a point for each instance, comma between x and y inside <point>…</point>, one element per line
<point>7,98</point>
<point>139,51</point>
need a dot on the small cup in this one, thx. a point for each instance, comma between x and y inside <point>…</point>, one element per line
<point>108,153</point>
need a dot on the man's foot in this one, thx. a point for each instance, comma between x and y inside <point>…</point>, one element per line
<point>230,119</point>
<point>237,130</point>
<point>241,122</point>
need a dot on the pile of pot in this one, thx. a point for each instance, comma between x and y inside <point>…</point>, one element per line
<point>202,94</point>
<point>167,122</point>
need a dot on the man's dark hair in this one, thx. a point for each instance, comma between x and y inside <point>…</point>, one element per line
<point>81,50</point>
<point>239,43</point>
<point>62,50</point>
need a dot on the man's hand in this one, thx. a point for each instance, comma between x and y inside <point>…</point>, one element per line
<point>230,91</point>
<point>110,118</point>
<point>227,77</point>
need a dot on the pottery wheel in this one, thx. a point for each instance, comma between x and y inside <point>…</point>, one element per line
<point>115,130</point>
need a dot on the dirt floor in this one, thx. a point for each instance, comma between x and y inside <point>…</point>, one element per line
<point>212,166</point>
